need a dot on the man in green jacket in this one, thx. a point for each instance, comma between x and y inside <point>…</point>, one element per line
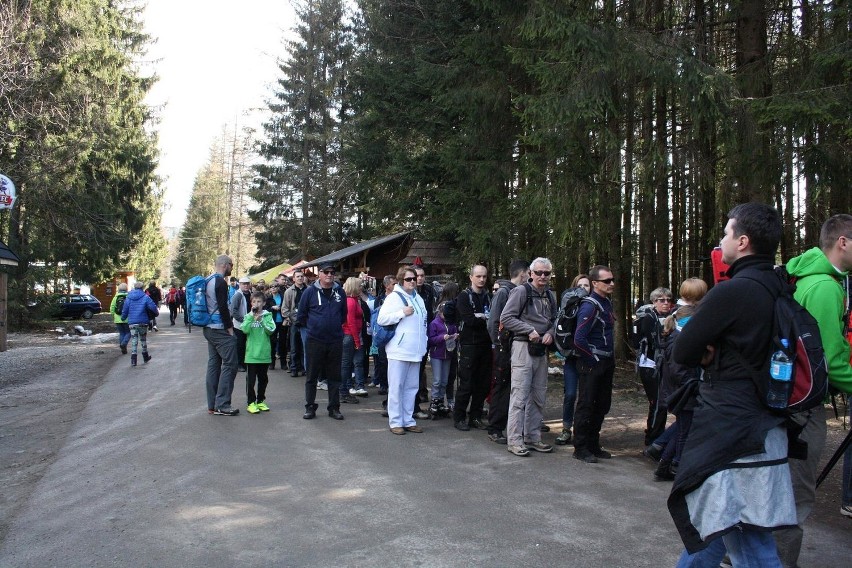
<point>121,324</point>
<point>819,273</point>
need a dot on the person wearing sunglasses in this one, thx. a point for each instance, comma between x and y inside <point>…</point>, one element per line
<point>322,311</point>
<point>595,366</point>
<point>529,314</point>
<point>649,328</point>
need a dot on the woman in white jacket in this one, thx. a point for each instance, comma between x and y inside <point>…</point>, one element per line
<point>405,350</point>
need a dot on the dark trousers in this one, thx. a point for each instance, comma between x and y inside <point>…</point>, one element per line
<point>172,312</point>
<point>297,355</point>
<point>381,368</point>
<point>501,388</point>
<point>656,422</point>
<point>279,343</point>
<point>256,374</point>
<point>422,390</point>
<point>451,380</point>
<point>594,397</point>
<point>241,346</point>
<point>474,373</point>
<point>368,343</point>
<point>324,361</point>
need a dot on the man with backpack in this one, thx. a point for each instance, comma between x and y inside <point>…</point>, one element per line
<point>733,482</point>
<point>290,313</point>
<point>818,276</point>
<point>501,339</point>
<point>529,314</point>
<point>593,341</point>
<point>221,341</point>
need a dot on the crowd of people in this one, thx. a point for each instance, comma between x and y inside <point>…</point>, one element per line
<point>736,491</point>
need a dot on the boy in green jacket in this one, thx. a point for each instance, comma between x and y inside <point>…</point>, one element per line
<point>258,325</point>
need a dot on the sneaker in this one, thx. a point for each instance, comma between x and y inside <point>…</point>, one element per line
<point>348,399</point>
<point>322,385</point>
<point>156,328</point>
<point>726,563</point>
<point>846,511</point>
<point>518,451</point>
<point>252,408</point>
<point>497,438</point>
<point>420,415</point>
<point>226,411</point>
<point>478,424</point>
<point>352,392</point>
<point>564,438</point>
<point>361,392</point>
<point>539,447</point>
<point>261,404</point>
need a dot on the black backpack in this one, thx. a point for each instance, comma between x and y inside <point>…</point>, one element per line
<point>119,303</point>
<point>566,319</point>
<point>791,321</point>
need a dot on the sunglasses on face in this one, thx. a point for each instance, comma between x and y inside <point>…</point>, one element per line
<point>664,300</point>
<point>410,278</point>
<point>327,272</point>
<point>541,272</point>
<point>607,280</point>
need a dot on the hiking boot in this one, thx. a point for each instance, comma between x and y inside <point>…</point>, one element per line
<point>654,451</point>
<point>564,438</point>
<point>478,424</point>
<point>497,437</point>
<point>261,404</point>
<point>601,454</point>
<point>123,349</point>
<point>539,447</point>
<point>664,472</point>
<point>334,413</point>
<point>133,360</point>
<point>585,456</point>
<point>252,408</point>
<point>310,412</point>
<point>146,357</point>
<point>462,425</point>
<point>348,399</point>
<point>518,451</point>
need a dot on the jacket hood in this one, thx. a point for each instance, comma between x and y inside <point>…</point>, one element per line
<point>811,262</point>
<point>135,294</point>
<point>505,283</point>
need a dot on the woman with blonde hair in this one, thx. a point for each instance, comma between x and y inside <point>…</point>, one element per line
<point>353,345</point>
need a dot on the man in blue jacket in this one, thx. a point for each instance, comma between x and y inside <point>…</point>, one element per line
<point>322,311</point>
<point>595,366</point>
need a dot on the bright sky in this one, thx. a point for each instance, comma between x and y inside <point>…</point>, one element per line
<point>217,65</point>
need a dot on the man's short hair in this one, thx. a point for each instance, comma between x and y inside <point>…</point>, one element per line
<point>595,271</point>
<point>258,295</point>
<point>760,223</point>
<point>475,266</point>
<point>388,279</point>
<point>138,285</point>
<point>223,259</point>
<point>836,226</point>
<point>543,261</point>
<point>518,266</point>
<point>122,287</point>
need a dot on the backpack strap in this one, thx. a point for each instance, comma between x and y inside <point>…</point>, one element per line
<point>401,295</point>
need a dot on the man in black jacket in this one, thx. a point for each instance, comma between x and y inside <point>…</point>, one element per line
<point>733,484</point>
<point>221,342</point>
<point>474,307</point>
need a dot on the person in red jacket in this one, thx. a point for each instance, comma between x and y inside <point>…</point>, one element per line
<point>353,345</point>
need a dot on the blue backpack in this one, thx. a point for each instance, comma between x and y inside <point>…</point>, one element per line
<point>196,301</point>
<point>382,334</point>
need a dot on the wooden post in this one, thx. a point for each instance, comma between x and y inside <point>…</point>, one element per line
<point>4,302</point>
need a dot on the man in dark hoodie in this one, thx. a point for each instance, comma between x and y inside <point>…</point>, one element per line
<point>498,409</point>
<point>322,311</point>
<point>733,483</point>
<point>819,274</point>
<point>474,307</point>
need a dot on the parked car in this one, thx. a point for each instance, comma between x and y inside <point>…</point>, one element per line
<point>78,305</point>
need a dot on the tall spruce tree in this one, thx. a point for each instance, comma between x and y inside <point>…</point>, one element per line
<point>303,187</point>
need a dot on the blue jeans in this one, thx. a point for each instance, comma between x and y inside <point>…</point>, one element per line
<point>297,350</point>
<point>569,372</point>
<point>221,367</point>
<point>846,480</point>
<point>351,357</point>
<point>303,333</point>
<point>440,374</point>
<point>746,548</point>
<point>666,437</point>
<point>123,333</point>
